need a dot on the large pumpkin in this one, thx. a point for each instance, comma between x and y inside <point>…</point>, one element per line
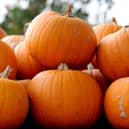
<point>13,40</point>
<point>116,103</point>
<point>53,38</point>
<point>27,66</point>
<point>113,54</point>
<point>7,58</point>
<point>13,104</point>
<point>2,33</point>
<point>101,30</point>
<point>65,99</point>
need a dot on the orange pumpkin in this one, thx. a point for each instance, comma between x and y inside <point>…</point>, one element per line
<point>13,40</point>
<point>7,58</point>
<point>64,99</point>
<point>116,103</point>
<point>27,66</point>
<point>113,54</point>
<point>101,30</point>
<point>24,82</point>
<point>98,76</point>
<point>2,33</point>
<point>14,104</point>
<point>53,38</point>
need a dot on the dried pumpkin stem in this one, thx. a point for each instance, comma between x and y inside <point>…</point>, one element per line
<point>63,66</point>
<point>90,66</point>
<point>125,27</point>
<point>6,72</point>
<point>114,20</point>
<point>26,27</point>
<point>68,11</point>
<point>121,108</point>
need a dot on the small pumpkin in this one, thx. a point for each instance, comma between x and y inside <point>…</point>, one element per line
<point>27,66</point>
<point>13,40</point>
<point>113,54</point>
<point>102,30</point>
<point>14,103</point>
<point>116,103</point>
<point>2,33</point>
<point>64,98</point>
<point>98,76</point>
<point>7,58</point>
<point>53,38</point>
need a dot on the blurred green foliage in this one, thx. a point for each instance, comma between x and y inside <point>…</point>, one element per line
<point>17,17</point>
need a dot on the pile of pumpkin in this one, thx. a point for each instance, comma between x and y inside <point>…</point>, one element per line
<point>46,71</point>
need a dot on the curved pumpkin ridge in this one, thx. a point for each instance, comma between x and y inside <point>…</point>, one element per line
<point>27,66</point>
<point>52,39</point>
<point>32,31</point>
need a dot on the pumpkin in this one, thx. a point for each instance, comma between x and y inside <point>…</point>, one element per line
<point>7,58</point>
<point>102,30</point>
<point>53,38</point>
<point>64,98</point>
<point>2,33</point>
<point>116,103</point>
<point>13,40</point>
<point>27,66</point>
<point>14,103</point>
<point>113,53</point>
<point>98,76</point>
<point>24,82</point>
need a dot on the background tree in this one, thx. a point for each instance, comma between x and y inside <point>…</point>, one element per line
<point>18,16</point>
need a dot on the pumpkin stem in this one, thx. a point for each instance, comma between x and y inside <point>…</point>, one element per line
<point>68,11</point>
<point>125,27</point>
<point>114,20</point>
<point>90,66</point>
<point>6,72</point>
<point>63,66</point>
<point>26,27</point>
<point>121,108</point>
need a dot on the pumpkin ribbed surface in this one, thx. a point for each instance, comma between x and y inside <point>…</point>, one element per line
<point>65,99</point>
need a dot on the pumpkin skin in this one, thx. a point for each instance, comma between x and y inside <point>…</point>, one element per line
<point>98,76</point>
<point>7,58</point>
<point>115,49</point>
<point>24,82</point>
<point>27,66</point>
<point>116,104</point>
<point>53,38</point>
<point>103,30</point>
<point>14,104</point>
<point>2,33</point>
<point>13,40</point>
<point>64,99</point>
